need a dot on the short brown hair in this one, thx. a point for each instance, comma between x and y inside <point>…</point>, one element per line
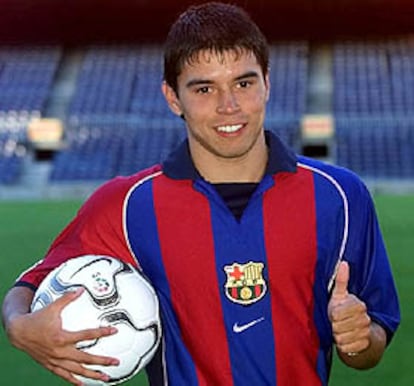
<point>214,26</point>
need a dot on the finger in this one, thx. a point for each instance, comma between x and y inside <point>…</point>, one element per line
<point>91,373</point>
<point>71,371</point>
<point>72,358</point>
<point>340,290</point>
<point>65,374</point>
<point>351,326</point>
<point>91,333</point>
<point>90,359</point>
<point>350,313</point>
<point>351,337</point>
<point>356,346</point>
<point>68,297</point>
<point>78,369</point>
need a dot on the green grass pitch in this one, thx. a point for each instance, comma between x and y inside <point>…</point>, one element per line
<point>27,228</point>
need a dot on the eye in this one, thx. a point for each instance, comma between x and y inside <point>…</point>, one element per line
<point>244,84</point>
<point>203,90</point>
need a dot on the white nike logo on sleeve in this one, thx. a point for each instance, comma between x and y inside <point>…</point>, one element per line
<point>243,327</point>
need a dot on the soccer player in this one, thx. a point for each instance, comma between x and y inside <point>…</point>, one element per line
<point>263,260</point>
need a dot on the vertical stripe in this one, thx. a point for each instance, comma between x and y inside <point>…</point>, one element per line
<point>249,325</point>
<point>345,215</point>
<point>143,240</point>
<point>331,209</point>
<point>142,234</point>
<point>291,243</point>
<point>257,290</point>
<point>234,293</point>
<point>187,250</point>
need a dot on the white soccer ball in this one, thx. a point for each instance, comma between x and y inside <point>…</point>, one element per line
<point>115,294</point>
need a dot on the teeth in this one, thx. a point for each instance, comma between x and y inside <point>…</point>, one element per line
<point>229,128</point>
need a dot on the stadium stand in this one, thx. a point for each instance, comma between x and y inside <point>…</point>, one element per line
<point>401,62</point>
<point>147,100</point>
<point>27,73</point>
<point>26,76</point>
<point>376,147</point>
<point>105,81</point>
<point>361,79</point>
<point>120,80</point>
<point>121,146</point>
<point>12,147</point>
<point>123,123</point>
<point>373,107</point>
<point>117,121</point>
<point>288,79</point>
<point>374,78</point>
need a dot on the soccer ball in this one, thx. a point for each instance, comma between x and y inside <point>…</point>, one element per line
<point>115,294</point>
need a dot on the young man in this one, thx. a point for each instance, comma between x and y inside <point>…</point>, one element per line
<point>262,260</point>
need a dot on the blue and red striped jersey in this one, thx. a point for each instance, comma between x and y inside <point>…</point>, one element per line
<point>244,301</point>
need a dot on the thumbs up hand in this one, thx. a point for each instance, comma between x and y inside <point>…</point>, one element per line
<point>348,315</point>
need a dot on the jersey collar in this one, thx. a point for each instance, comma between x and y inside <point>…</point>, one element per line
<point>179,165</point>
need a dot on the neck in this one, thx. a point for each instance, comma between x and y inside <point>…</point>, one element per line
<point>249,167</point>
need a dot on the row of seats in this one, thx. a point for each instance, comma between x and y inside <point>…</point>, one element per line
<point>369,77</point>
<point>99,152</point>
<point>374,78</point>
<point>373,148</point>
<point>100,148</point>
<point>105,81</point>
<point>376,148</point>
<point>10,168</point>
<point>288,79</point>
<point>119,123</point>
<point>12,153</point>
<point>26,76</point>
<point>127,80</point>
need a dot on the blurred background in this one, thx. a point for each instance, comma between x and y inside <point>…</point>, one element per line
<point>80,103</point>
<point>80,97</point>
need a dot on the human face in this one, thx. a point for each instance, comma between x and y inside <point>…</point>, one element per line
<point>222,98</point>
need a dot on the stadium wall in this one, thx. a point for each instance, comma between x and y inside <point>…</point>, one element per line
<point>80,21</point>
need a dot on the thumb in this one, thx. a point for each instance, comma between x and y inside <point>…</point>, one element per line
<point>340,290</point>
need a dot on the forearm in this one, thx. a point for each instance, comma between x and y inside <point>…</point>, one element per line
<point>16,303</point>
<point>370,356</point>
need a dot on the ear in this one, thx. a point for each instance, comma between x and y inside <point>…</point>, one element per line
<point>172,99</point>
<point>267,85</point>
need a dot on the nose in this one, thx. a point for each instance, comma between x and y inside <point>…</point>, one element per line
<point>227,102</point>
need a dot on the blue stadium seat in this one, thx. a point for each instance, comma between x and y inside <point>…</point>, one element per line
<point>102,151</point>
<point>12,150</point>
<point>26,76</point>
<point>376,148</point>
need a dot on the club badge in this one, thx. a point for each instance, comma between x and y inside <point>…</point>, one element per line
<point>245,283</point>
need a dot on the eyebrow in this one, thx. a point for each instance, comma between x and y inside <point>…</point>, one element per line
<point>197,82</point>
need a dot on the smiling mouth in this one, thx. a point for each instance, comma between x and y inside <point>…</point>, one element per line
<point>229,128</point>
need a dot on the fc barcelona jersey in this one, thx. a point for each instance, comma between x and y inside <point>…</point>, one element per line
<point>244,301</point>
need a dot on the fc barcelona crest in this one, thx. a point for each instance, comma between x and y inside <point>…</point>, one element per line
<point>245,283</point>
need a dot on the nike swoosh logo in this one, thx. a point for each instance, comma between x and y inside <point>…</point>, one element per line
<point>243,327</point>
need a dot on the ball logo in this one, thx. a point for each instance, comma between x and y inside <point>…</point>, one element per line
<point>245,283</point>
<point>101,285</point>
